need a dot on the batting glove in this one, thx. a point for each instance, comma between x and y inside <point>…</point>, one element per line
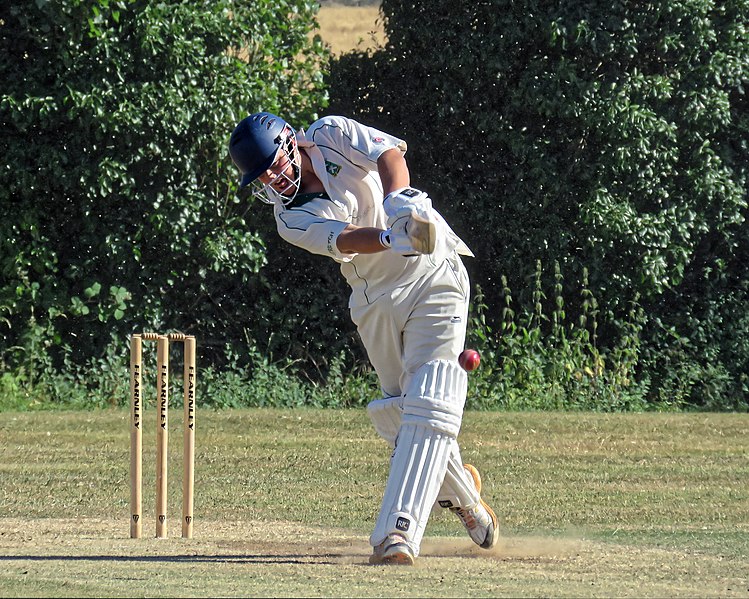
<point>410,233</point>
<point>403,198</point>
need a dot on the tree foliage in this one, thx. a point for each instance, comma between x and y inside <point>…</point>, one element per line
<point>606,142</point>
<point>607,136</point>
<point>118,201</point>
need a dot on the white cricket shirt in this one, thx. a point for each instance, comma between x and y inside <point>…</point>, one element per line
<point>344,156</point>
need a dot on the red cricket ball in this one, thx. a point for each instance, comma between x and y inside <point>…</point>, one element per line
<point>469,359</point>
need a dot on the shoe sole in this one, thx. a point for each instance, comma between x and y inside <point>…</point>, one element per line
<point>395,555</point>
<point>477,481</point>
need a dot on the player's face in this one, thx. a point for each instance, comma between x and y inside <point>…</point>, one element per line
<point>281,176</point>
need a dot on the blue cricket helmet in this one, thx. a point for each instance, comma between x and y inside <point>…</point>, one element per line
<point>254,144</point>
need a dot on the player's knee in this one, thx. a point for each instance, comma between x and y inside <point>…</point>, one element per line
<point>435,397</point>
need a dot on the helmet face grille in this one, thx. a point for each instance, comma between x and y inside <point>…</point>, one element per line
<point>287,148</point>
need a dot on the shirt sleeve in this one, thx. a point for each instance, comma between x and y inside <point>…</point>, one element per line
<point>360,144</point>
<point>312,231</point>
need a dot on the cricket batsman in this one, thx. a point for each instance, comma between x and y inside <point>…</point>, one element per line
<point>342,190</point>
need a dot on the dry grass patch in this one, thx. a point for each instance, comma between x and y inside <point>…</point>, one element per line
<point>347,28</point>
<point>61,558</point>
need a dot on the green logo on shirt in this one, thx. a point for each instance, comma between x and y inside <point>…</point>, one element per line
<point>332,168</point>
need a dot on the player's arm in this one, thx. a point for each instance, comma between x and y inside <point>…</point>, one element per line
<point>409,235</point>
<point>360,240</point>
<point>393,170</point>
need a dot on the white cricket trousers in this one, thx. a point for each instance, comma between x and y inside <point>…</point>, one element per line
<point>422,321</point>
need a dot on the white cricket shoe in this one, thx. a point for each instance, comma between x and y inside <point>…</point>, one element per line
<point>480,520</point>
<point>393,551</point>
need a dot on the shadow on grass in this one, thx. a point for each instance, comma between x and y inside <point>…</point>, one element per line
<point>236,559</point>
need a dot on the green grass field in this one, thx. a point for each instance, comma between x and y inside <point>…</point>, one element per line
<point>625,505</point>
